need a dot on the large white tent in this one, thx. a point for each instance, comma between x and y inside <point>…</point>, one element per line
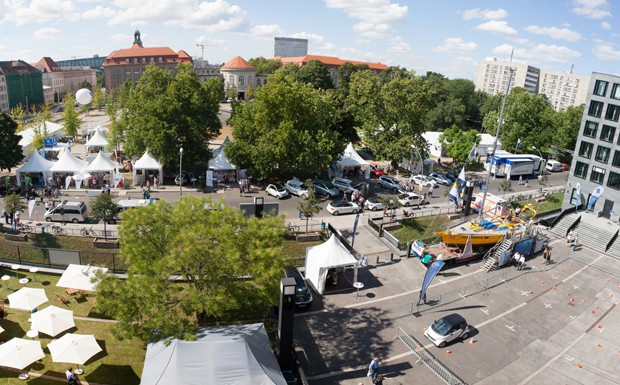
<point>232,355</point>
<point>67,162</point>
<point>319,259</point>
<point>52,129</point>
<point>351,159</point>
<point>148,162</point>
<point>35,164</point>
<point>98,140</point>
<point>101,164</point>
<point>222,169</point>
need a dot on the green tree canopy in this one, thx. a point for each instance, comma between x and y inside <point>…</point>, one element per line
<point>166,111</point>
<point>312,205</point>
<point>458,143</point>
<point>104,208</point>
<point>71,118</point>
<point>18,114</point>
<point>10,149</point>
<point>13,204</point>
<point>566,128</point>
<point>346,70</point>
<point>98,98</point>
<point>315,73</point>
<point>265,66</point>
<point>285,130</point>
<point>230,265</point>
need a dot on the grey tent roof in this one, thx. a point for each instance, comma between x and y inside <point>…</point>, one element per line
<point>101,164</point>
<point>232,355</point>
<point>220,161</point>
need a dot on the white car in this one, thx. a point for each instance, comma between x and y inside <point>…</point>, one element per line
<point>277,191</point>
<point>342,207</point>
<point>297,187</point>
<point>373,204</point>
<point>423,180</point>
<point>447,329</point>
<point>409,198</point>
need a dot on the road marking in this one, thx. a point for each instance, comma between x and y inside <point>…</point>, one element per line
<point>575,287</point>
<point>511,327</point>
<point>485,311</point>
<point>572,316</point>
<point>569,359</point>
<point>548,363</point>
<point>525,293</point>
<point>548,306</point>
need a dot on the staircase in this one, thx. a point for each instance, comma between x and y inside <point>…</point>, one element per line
<point>492,257</point>
<point>561,228</point>
<point>594,237</point>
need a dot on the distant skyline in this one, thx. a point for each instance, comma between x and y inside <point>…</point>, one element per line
<point>447,36</point>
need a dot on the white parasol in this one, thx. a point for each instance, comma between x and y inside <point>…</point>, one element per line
<point>19,353</point>
<point>74,348</point>
<point>79,277</point>
<point>27,298</point>
<point>52,320</point>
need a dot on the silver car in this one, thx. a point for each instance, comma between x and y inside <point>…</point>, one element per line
<point>297,187</point>
<point>447,329</point>
<point>389,183</point>
<point>325,188</point>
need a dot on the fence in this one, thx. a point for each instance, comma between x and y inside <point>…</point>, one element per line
<point>429,360</point>
<point>84,231</point>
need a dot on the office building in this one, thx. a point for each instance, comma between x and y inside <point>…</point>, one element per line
<point>493,75</point>
<point>95,62</point>
<point>563,89</point>
<point>289,47</point>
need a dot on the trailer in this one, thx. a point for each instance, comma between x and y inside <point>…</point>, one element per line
<point>504,163</point>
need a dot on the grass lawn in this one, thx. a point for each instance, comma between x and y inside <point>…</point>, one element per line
<point>423,228</point>
<point>120,362</point>
<point>552,203</point>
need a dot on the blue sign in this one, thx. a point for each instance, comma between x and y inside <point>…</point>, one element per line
<point>49,142</point>
<point>612,212</point>
<point>432,271</point>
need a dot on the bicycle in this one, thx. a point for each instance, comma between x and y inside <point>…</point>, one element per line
<point>25,228</point>
<point>292,228</point>
<point>88,232</point>
<point>59,230</point>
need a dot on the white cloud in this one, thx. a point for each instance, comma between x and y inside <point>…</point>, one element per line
<point>398,45</point>
<point>46,33</point>
<point>497,26</point>
<point>605,25</point>
<point>267,31</point>
<point>539,52</point>
<point>486,14</point>
<point>456,45</point>
<point>372,30</point>
<point>605,51</point>
<point>376,11</point>
<point>518,40</point>
<point>209,41</point>
<point>122,37</point>
<point>99,12</point>
<point>554,32</point>
<point>212,16</point>
<point>39,11</point>
<point>591,9</point>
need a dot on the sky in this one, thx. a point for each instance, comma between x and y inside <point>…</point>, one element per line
<point>446,36</point>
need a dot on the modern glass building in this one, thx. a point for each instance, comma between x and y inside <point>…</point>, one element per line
<point>289,47</point>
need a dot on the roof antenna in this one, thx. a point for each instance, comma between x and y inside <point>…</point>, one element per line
<point>512,53</point>
<point>571,67</point>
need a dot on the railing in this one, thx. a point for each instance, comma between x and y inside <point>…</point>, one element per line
<point>441,371</point>
<point>46,228</point>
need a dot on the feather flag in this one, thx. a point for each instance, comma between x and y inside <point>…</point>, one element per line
<point>455,192</point>
<point>472,153</point>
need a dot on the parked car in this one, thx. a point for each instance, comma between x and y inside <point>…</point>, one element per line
<point>450,176</point>
<point>185,178</point>
<point>565,166</point>
<point>376,170</point>
<point>410,198</point>
<point>423,180</point>
<point>297,187</point>
<point>554,166</point>
<point>325,188</point>
<point>303,297</point>
<point>373,204</point>
<point>440,178</point>
<point>342,183</point>
<point>342,207</point>
<point>389,183</point>
<point>277,191</point>
<point>447,329</point>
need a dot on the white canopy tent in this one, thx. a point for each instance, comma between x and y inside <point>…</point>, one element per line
<point>232,355</point>
<point>148,162</point>
<point>351,159</point>
<point>52,129</point>
<point>36,164</point>
<point>222,169</point>
<point>98,140</point>
<point>321,258</point>
<point>101,164</point>
<point>67,163</point>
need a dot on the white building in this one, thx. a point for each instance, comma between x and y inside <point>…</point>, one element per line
<point>493,75</point>
<point>564,89</point>
<point>53,78</point>
<point>289,47</point>
<point>239,73</point>
<point>4,95</point>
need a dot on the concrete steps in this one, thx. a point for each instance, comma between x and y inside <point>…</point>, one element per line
<point>561,228</point>
<point>594,237</point>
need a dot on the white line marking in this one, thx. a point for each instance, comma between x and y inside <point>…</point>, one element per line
<point>485,311</point>
<point>576,287</point>
<point>548,363</point>
<point>548,306</point>
<point>525,293</point>
<point>511,327</point>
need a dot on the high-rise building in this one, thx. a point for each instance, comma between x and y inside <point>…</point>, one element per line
<point>289,47</point>
<point>563,89</point>
<point>492,76</point>
<point>596,160</point>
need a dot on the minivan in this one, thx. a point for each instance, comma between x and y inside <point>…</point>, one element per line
<point>554,166</point>
<point>67,212</point>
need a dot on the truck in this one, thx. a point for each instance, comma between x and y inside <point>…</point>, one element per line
<point>493,205</point>
<point>505,163</point>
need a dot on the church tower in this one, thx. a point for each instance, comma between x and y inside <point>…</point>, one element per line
<point>136,38</point>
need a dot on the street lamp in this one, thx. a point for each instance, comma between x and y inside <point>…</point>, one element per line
<point>540,153</point>
<point>181,171</point>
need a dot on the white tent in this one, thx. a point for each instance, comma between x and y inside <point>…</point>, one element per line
<point>52,129</point>
<point>350,158</point>
<point>68,163</point>
<point>98,140</point>
<point>321,258</point>
<point>101,164</point>
<point>220,162</point>
<point>36,163</point>
<point>148,162</point>
<point>232,355</point>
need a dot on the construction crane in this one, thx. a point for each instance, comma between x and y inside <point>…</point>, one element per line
<point>202,46</point>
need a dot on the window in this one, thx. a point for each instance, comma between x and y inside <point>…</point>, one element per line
<point>607,133</point>
<point>240,80</point>
<point>616,159</point>
<point>613,112</point>
<point>600,88</point>
<point>581,170</point>
<point>590,129</point>
<point>126,60</point>
<point>602,154</point>
<point>614,180</point>
<point>135,59</point>
<point>615,91</point>
<point>585,150</point>
<point>160,59</point>
<point>596,108</point>
<point>598,174</point>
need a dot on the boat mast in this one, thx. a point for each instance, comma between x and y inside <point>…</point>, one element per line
<point>499,125</point>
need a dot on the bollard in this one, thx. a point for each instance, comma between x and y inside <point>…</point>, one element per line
<point>377,260</point>
<point>391,257</point>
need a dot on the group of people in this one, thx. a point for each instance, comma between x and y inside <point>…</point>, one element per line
<point>572,239</point>
<point>244,186</point>
<point>11,218</point>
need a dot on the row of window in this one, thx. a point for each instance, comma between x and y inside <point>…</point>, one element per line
<point>596,110</point>
<point>601,87</point>
<point>602,153</point>
<point>151,60</point>
<point>597,175</point>
<point>607,132</point>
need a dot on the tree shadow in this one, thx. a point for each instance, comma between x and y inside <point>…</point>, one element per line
<point>113,374</point>
<point>46,241</point>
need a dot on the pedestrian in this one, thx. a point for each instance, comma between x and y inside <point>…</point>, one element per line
<point>240,188</point>
<point>5,214</point>
<point>430,192</point>
<point>520,179</point>
<point>107,188</point>
<point>156,182</point>
<point>71,377</point>
<point>47,206</point>
<point>575,242</point>
<point>546,255</point>
<point>526,180</point>
<point>570,236</point>
<point>16,221</point>
<point>346,195</point>
<point>378,380</point>
<point>373,369</point>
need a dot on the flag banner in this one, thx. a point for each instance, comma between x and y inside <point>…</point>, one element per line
<point>472,153</point>
<point>518,143</point>
<point>68,182</point>
<point>432,271</point>
<point>31,204</point>
<point>78,181</point>
<point>117,179</point>
<point>594,197</point>
<point>357,219</point>
<point>457,188</point>
<point>210,178</point>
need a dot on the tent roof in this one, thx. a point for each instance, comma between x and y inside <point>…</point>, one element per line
<point>101,164</point>
<point>147,162</point>
<point>36,163</point>
<point>220,161</point>
<point>350,158</point>
<point>98,139</point>
<point>28,134</point>
<point>234,355</point>
<point>68,163</point>
<point>332,253</point>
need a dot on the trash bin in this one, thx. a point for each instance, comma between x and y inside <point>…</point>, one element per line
<point>322,226</point>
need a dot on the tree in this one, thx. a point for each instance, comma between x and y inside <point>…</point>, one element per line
<point>446,114</point>
<point>10,149</point>
<point>395,72</point>
<point>71,118</point>
<point>164,112</point>
<point>18,115</point>
<point>46,112</point>
<point>232,92</point>
<point>103,208</point>
<point>40,131</point>
<point>98,98</point>
<point>566,128</point>
<point>249,93</point>
<point>458,144</point>
<point>285,130</point>
<point>231,267</point>
<point>13,204</point>
<point>265,66</point>
<point>315,73</point>
<point>346,70</point>
<point>312,205</point>
<point>289,69</point>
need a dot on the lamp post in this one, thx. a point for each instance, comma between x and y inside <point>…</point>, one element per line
<point>540,153</point>
<point>181,172</point>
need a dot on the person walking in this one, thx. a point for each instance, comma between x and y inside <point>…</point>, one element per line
<point>373,369</point>
<point>156,182</point>
<point>546,255</point>
<point>71,379</point>
<point>430,191</point>
<point>378,380</point>
<point>575,242</point>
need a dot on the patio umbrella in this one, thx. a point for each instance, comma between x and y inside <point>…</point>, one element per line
<point>79,277</point>
<point>27,298</point>
<point>19,353</point>
<point>74,348</point>
<point>52,320</point>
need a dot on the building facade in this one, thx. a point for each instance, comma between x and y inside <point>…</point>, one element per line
<point>289,47</point>
<point>53,78</point>
<point>596,161</point>
<point>77,77</point>
<point>129,64</point>
<point>492,76</point>
<point>4,95</point>
<point>564,89</point>
<point>95,62</point>
<point>205,71</point>
<point>24,83</point>
<point>239,73</point>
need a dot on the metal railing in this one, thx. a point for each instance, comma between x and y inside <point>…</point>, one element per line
<point>440,370</point>
<point>46,228</point>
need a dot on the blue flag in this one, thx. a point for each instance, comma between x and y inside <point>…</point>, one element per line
<point>472,153</point>
<point>357,218</point>
<point>432,271</point>
<point>455,193</point>
<point>518,143</point>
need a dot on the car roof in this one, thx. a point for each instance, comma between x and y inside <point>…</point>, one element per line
<point>454,318</point>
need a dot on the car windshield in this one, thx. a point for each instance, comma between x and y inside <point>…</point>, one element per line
<point>441,327</point>
<point>372,200</point>
<point>279,188</point>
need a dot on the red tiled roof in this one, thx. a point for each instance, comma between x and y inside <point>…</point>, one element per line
<point>330,60</point>
<point>183,55</point>
<point>137,51</point>
<point>47,64</point>
<point>237,63</point>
